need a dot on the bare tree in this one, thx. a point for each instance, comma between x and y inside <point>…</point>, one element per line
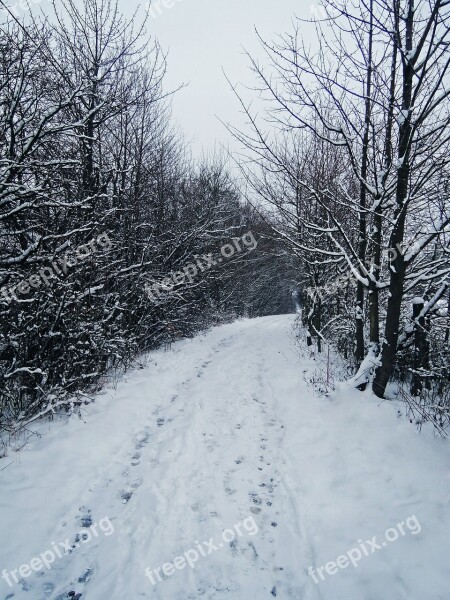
<point>375,87</point>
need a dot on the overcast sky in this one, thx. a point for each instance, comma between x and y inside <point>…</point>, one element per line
<point>204,36</point>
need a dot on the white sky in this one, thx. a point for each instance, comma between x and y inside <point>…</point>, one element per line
<point>204,36</point>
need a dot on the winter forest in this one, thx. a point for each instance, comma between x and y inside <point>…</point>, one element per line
<point>289,286</point>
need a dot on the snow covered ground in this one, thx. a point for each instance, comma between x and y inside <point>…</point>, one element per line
<point>218,472</point>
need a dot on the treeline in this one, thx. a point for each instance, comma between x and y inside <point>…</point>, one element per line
<point>355,170</point>
<point>98,201</point>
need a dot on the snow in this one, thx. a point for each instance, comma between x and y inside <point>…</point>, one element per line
<point>366,369</point>
<point>220,432</point>
<point>399,162</point>
<point>410,54</point>
<point>401,118</point>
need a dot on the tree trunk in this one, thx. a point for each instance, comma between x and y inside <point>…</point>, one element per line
<point>362,246</point>
<point>377,239</point>
<point>447,332</point>
<point>421,348</point>
<point>397,268</point>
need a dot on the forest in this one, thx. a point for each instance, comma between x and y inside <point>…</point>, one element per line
<point>337,204</point>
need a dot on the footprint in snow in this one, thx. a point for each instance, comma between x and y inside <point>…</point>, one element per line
<point>69,596</point>
<point>136,483</point>
<point>80,537</point>
<point>141,439</point>
<point>233,546</point>
<point>26,587</point>
<point>48,588</point>
<point>269,487</point>
<point>85,578</point>
<point>126,497</point>
<point>86,518</point>
<point>255,500</point>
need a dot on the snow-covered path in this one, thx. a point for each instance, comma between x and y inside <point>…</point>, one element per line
<point>219,453</point>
